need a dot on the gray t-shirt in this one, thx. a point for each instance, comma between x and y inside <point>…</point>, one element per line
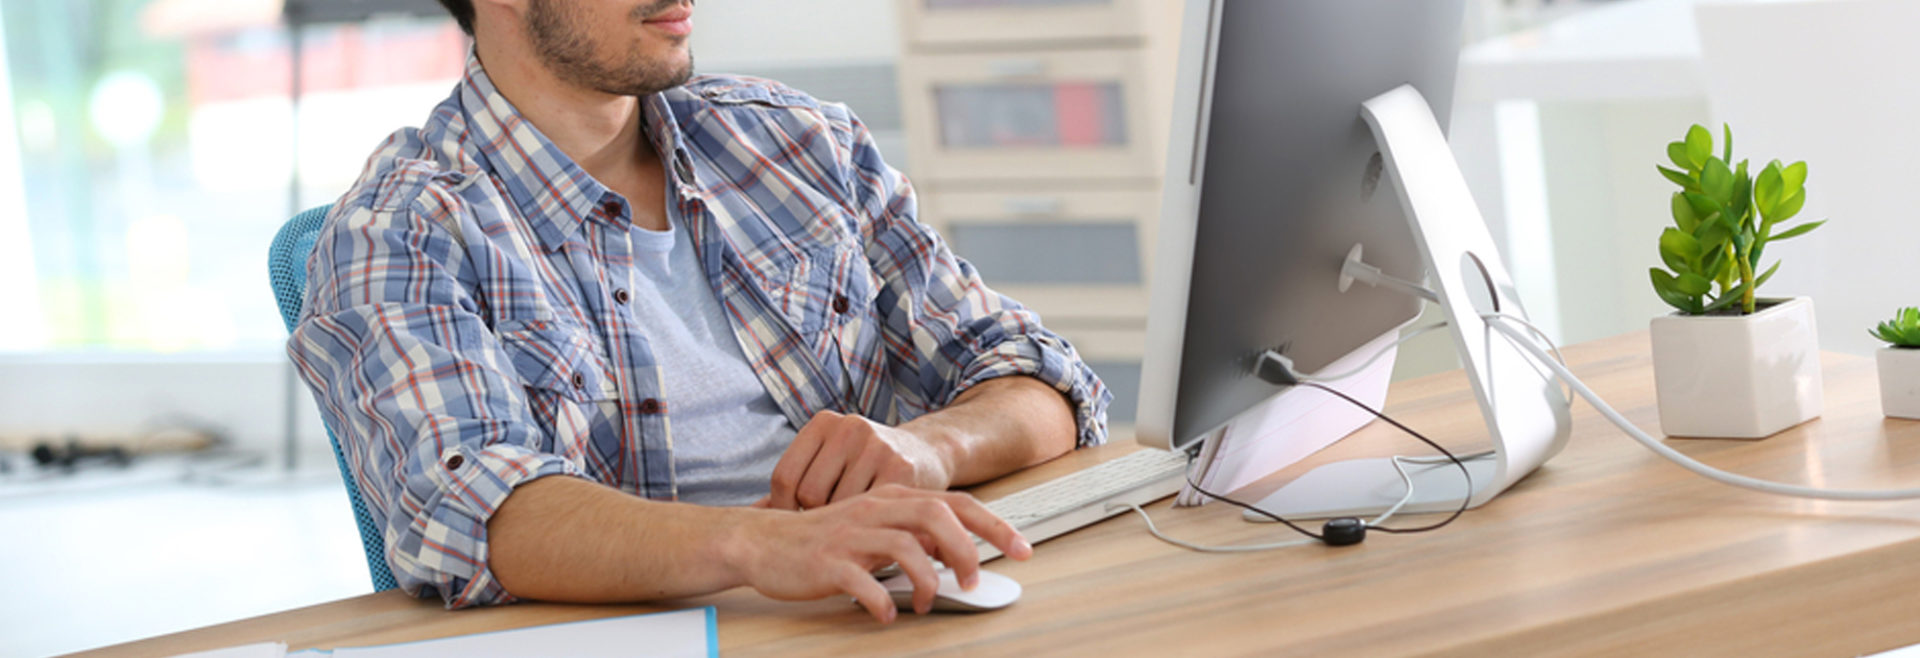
<point>727,431</point>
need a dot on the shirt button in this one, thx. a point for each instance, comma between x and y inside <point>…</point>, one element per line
<point>683,166</point>
<point>840,304</point>
<point>650,406</point>
<point>579,380</point>
<point>454,462</point>
<point>620,296</point>
<point>612,209</point>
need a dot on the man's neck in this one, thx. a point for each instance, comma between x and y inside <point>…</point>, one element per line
<point>601,132</point>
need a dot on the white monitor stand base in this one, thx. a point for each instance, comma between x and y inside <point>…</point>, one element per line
<point>1525,410</point>
<point>1367,487</point>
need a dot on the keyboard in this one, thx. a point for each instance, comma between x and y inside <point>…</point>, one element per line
<point>1080,499</point>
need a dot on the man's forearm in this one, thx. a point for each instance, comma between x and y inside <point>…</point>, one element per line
<point>999,426</point>
<point>566,539</point>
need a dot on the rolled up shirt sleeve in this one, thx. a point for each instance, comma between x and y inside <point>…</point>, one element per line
<point>945,328</point>
<point>429,413</point>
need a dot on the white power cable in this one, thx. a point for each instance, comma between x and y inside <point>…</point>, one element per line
<point>1204,548</point>
<point>1399,465</point>
<point>1675,456</point>
<point>1328,379</point>
<point>1567,389</point>
<point>1399,462</point>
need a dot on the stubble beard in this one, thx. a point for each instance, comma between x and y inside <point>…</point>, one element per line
<point>564,46</point>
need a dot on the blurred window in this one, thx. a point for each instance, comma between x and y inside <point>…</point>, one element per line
<point>155,143</point>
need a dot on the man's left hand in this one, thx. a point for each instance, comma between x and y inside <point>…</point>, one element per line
<point>838,456</point>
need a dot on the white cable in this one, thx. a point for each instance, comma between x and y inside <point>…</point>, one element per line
<point>1373,276</point>
<point>1675,456</point>
<point>1567,391</point>
<point>1210,549</point>
<point>1406,480</point>
<point>1327,379</point>
<point>1399,462</point>
<point>1398,466</point>
<point>1439,459</point>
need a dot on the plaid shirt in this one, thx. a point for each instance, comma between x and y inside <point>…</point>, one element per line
<point>464,329</point>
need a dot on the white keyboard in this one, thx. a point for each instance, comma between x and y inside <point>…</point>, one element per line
<point>1080,499</point>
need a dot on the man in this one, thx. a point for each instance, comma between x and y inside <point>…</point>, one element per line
<point>587,264</point>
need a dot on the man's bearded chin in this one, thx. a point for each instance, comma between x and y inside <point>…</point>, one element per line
<point>561,40</point>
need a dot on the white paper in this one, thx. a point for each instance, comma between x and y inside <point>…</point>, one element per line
<point>681,633</point>
<point>261,650</point>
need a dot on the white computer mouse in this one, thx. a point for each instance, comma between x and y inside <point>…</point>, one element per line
<point>993,593</point>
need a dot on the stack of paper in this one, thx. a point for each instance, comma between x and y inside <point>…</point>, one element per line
<point>689,633</point>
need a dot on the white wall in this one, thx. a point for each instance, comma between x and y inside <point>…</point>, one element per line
<point>1608,206</point>
<point>1830,82</point>
<point>1833,83</point>
<point>731,34</point>
<point>19,295</point>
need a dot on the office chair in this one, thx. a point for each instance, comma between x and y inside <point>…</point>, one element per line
<point>287,265</point>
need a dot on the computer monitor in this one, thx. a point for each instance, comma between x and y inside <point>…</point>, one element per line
<point>1306,133</point>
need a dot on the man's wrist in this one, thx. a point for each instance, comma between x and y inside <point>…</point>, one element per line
<point>737,540</point>
<point>949,451</point>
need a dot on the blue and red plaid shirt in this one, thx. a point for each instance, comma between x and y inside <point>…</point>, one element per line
<point>464,331</point>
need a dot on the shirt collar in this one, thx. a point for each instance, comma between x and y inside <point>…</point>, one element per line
<point>552,193</point>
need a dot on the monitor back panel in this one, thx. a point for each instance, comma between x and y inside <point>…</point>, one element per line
<point>1290,179</point>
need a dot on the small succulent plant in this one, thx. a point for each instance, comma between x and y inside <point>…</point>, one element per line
<point>1902,331</point>
<point>1724,218</point>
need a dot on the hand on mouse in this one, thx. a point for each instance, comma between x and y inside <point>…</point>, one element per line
<point>838,456</point>
<point>833,549</point>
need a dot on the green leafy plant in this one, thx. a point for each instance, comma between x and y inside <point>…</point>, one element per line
<point>1724,218</point>
<point>1902,331</point>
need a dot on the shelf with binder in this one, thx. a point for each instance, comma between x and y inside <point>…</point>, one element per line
<point>973,23</point>
<point>1031,116</point>
<point>1078,255</point>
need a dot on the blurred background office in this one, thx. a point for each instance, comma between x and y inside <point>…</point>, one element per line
<point>160,469</point>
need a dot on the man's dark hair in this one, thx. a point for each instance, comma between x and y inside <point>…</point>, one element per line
<point>462,11</point>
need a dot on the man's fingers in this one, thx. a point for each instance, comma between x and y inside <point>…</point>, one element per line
<point>829,464</point>
<point>935,518</point>
<point>793,465</point>
<point>981,521</point>
<point>857,478</point>
<point>905,551</point>
<point>868,592</point>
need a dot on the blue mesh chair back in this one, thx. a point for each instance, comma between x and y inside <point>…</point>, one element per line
<point>287,265</point>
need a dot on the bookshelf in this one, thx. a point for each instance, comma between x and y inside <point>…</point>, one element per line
<point>1037,133</point>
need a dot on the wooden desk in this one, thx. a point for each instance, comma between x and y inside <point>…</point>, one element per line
<point>1606,550</point>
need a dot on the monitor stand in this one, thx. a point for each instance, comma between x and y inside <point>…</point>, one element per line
<point>1526,413</point>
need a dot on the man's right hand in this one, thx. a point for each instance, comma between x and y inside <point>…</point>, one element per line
<point>808,555</point>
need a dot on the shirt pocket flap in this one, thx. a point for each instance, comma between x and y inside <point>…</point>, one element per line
<point>832,286</point>
<point>559,357</point>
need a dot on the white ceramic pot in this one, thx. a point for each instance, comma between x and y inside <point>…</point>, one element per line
<point>1737,376</point>
<point>1899,381</point>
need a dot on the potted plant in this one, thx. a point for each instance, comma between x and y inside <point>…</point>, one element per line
<point>1729,363</point>
<point>1899,364</point>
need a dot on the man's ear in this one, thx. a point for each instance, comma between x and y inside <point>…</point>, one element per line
<point>513,10</point>
<point>493,15</point>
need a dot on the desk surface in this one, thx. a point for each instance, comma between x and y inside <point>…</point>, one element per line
<point>1607,549</point>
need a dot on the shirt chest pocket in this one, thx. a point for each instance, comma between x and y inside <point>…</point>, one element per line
<point>558,360</point>
<point>832,286</point>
